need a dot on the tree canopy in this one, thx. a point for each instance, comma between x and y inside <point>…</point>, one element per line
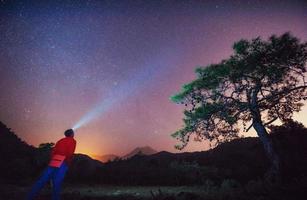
<point>262,81</point>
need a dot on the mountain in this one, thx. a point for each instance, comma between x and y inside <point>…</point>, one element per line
<point>105,158</point>
<point>146,150</point>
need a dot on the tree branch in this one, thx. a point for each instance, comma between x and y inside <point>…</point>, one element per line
<point>249,127</point>
<point>271,121</point>
<point>284,92</point>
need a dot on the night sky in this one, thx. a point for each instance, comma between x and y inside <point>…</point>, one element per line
<point>120,61</point>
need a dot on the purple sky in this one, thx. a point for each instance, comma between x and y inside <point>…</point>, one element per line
<point>61,59</point>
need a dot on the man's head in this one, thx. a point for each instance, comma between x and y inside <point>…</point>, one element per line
<point>69,133</point>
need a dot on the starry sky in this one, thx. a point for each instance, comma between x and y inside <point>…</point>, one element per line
<point>60,60</point>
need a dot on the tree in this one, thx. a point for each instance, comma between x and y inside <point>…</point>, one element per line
<point>43,153</point>
<point>261,82</point>
<point>46,146</point>
<point>290,141</point>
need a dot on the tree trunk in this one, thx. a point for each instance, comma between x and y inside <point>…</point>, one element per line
<point>274,172</point>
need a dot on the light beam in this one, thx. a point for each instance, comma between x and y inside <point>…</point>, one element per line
<point>121,92</point>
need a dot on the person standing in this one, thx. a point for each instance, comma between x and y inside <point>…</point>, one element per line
<point>61,156</point>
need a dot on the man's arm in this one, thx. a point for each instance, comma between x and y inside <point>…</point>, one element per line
<point>72,148</point>
<point>53,149</point>
<point>70,152</point>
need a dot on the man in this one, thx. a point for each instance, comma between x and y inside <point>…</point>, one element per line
<point>61,156</point>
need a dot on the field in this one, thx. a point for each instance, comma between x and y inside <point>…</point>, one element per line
<point>105,192</point>
<point>230,190</point>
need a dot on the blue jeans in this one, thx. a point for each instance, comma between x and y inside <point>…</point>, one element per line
<point>57,176</point>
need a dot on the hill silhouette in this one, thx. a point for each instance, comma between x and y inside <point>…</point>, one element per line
<point>14,154</point>
<point>83,168</point>
<point>235,160</point>
<point>241,160</point>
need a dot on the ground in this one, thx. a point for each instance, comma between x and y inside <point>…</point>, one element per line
<point>104,192</point>
<point>227,190</point>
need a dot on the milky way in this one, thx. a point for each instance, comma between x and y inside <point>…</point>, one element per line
<point>60,60</point>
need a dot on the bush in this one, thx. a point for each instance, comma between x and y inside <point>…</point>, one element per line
<point>230,189</point>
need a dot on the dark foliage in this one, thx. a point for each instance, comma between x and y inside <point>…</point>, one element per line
<point>290,140</point>
<point>229,160</point>
<point>84,169</point>
<point>16,157</point>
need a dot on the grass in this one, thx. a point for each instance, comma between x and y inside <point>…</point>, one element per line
<point>102,192</point>
<point>229,189</point>
<point>139,191</point>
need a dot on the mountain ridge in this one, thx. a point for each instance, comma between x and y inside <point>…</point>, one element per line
<point>144,150</point>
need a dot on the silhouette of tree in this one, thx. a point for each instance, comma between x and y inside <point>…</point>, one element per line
<point>289,126</point>
<point>43,154</point>
<point>290,142</point>
<point>46,146</point>
<point>16,156</point>
<point>261,82</point>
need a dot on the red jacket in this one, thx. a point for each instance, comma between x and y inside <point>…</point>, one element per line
<point>65,147</point>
